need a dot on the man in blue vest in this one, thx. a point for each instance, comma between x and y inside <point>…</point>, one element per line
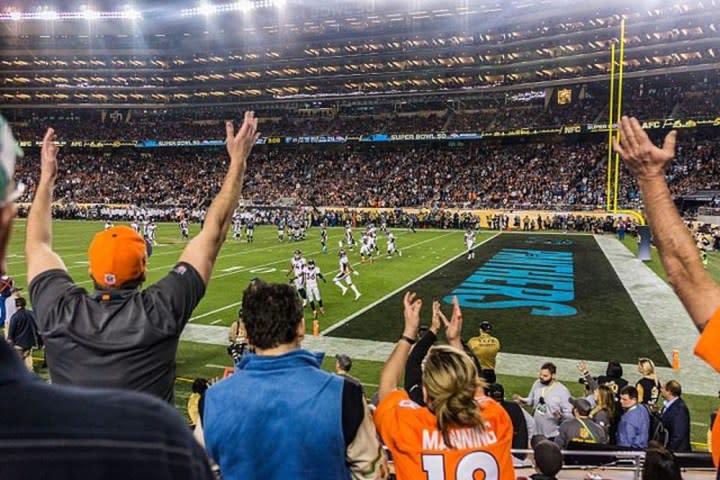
<point>280,416</point>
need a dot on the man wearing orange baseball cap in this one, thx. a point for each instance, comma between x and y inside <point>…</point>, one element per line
<point>121,336</point>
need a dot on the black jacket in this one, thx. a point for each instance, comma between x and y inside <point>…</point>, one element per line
<point>23,331</point>
<point>677,422</point>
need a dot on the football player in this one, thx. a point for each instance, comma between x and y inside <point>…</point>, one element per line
<point>391,248</point>
<point>250,229</point>
<point>311,273</point>
<point>348,235</point>
<point>345,274</point>
<point>469,242</point>
<point>184,231</point>
<point>281,230</point>
<point>297,265</point>
<point>323,239</point>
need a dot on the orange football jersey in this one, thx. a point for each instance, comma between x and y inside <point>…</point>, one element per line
<point>419,452</point>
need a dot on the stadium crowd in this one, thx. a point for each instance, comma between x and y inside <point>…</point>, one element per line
<point>447,417</point>
<point>533,175</point>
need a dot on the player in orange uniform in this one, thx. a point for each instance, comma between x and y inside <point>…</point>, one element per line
<point>461,434</point>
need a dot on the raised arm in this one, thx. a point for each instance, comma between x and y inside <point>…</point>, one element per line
<point>39,254</point>
<point>202,250</point>
<point>390,376</point>
<point>678,252</point>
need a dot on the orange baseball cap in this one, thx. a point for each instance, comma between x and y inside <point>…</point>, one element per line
<point>117,255</point>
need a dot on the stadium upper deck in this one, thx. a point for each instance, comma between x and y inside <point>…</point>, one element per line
<point>258,51</point>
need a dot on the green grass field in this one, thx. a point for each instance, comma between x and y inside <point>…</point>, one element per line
<point>377,313</point>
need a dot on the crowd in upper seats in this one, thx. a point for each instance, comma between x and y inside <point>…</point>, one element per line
<point>666,97</point>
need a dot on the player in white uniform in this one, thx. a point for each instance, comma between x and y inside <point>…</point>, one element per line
<point>372,236</point>
<point>348,236</point>
<point>184,231</point>
<point>365,250</point>
<point>134,225</point>
<point>311,272</point>
<point>237,228</point>
<point>391,248</point>
<point>469,242</point>
<point>345,274</point>
<point>297,266</point>
<point>151,232</point>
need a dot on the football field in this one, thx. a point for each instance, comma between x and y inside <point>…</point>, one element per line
<point>547,295</point>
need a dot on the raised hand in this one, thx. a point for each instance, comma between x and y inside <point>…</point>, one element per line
<point>241,143</point>
<point>411,313</point>
<point>48,157</point>
<point>644,160</point>
<point>437,315</point>
<point>453,328</point>
<point>582,367</point>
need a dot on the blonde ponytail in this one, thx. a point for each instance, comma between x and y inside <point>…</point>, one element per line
<point>451,381</point>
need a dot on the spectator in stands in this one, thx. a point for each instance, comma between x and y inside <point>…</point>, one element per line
<point>612,378</point>
<point>454,429</point>
<point>676,417</point>
<point>660,464</point>
<point>550,401</point>
<point>648,386</point>
<point>280,416</point>
<point>343,364</point>
<point>523,423</point>
<point>199,387</point>
<point>581,428</point>
<point>121,336</point>
<point>23,332</point>
<point>50,431</point>
<point>605,413</point>
<point>485,347</point>
<point>634,426</point>
<point>6,286</point>
<point>693,285</point>
<point>547,457</point>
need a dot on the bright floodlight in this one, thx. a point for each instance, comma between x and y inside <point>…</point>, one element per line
<point>14,15</point>
<point>90,14</point>
<point>206,9</point>
<point>130,13</point>
<point>244,6</point>
<point>49,15</point>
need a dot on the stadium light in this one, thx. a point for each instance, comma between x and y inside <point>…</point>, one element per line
<point>130,13</point>
<point>89,13</point>
<point>244,6</point>
<point>50,15</point>
<point>206,9</point>
<point>15,15</point>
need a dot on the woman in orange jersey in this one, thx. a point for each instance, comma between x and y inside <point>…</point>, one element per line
<point>461,434</point>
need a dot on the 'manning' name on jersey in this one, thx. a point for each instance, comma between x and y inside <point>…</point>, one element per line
<point>419,451</point>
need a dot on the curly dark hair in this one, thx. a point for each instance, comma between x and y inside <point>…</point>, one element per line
<point>271,313</point>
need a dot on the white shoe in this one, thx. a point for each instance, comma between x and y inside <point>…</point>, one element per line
<point>358,296</point>
<point>344,291</point>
